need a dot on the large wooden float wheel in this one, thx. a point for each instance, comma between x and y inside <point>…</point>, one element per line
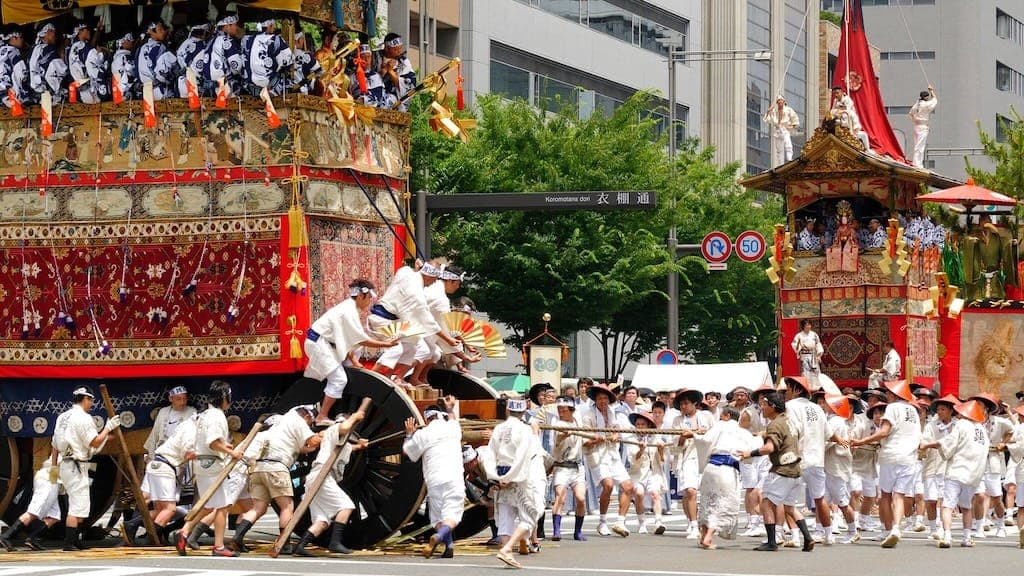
<point>385,485</point>
<point>15,477</point>
<point>463,387</point>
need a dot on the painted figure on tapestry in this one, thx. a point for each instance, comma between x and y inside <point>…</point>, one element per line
<point>841,256</point>
<point>995,358</point>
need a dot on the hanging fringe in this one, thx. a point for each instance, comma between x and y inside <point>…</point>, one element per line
<point>294,347</point>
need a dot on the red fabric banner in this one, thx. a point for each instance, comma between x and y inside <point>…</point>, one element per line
<point>855,72</point>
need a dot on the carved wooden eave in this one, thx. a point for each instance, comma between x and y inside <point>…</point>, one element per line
<point>833,154</point>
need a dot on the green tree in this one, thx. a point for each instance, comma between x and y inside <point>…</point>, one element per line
<point>1008,157</point>
<point>600,272</point>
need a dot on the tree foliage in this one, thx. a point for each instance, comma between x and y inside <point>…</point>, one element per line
<point>599,272</point>
<point>1008,157</point>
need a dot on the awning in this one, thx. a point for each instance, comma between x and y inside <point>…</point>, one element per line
<point>720,378</point>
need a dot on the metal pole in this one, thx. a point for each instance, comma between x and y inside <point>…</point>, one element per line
<point>424,35</point>
<point>422,223</point>
<point>673,276</point>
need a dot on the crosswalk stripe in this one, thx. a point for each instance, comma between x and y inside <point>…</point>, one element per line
<point>112,571</point>
<point>26,570</point>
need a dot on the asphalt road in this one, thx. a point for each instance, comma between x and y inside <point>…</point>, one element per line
<point>668,555</point>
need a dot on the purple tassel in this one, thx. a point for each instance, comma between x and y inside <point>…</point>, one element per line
<point>69,321</point>
<point>232,313</point>
<point>37,329</point>
<point>104,349</point>
<point>61,319</point>
<point>24,331</point>
<point>190,287</point>
<point>122,294</point>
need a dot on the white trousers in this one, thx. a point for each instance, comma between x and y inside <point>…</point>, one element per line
<point>783,146</point>
<point>920,141</point>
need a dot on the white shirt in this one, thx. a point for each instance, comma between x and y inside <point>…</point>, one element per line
<point>439,444</point>
<point>922,109</point>
<point>181,442</point>
<point>997,428</point>
<point>838,458</point>
<point>167,420</point>
<point>282,443</point>
<point>788,120</point>
<point>700,419</point>
<point>807,341</point>
<point>727,438</point>
<point>341,326</point>
<point>807,422</point>
<point>78,430</point>
<point>406,299</point>
<point>568,449</point>
<point>965,449</point>
<point>900,446</point>
<point>512,445</point>
<point>933,464</point>
<point>607,452</point>
<point>212,426</point>
<point>892,365</point>
<point>330,440</point>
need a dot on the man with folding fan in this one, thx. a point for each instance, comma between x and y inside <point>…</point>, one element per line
<point>429,350</point>
<point>331,340</point>
<point>405,300</point>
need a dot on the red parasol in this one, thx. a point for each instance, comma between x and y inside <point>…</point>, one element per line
<point>969,195</point>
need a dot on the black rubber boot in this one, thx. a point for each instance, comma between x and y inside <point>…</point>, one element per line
<point>70,539</point>
<point>238,542</point>
<point>129,528</point>
<point>193,537</point>
<point>300,548</point>
<point>337,533</point>
<point>540,527</point>
<point>34,540</point>
<point>5,538</point>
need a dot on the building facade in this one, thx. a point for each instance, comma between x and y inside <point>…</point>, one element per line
<point>737,93</point>
<point>971,52</point>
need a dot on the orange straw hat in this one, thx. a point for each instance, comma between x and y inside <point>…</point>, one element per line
<point>947,399</point>
<point>973,410</point>
<point>839,404</point>
<point>899,388</point>
<point>789,381</point>
<point>991,401</point>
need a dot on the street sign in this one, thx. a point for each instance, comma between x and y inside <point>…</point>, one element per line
<point>666,356</point>
<point>716,247</point>
<point>586,200</point>
<point>718,266</point>
<point>750,246</point>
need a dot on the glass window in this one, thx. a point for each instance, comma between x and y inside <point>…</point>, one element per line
<point>568,9</point>
<point>611,20</point>
<point>1003,125</point>
<point>1008,79</point>
<point>509,81</point>
<point>1009,28</point>
<point>550,94</point>
<point>605,104</point>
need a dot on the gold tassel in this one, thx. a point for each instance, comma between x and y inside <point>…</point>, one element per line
<point>294,346</point>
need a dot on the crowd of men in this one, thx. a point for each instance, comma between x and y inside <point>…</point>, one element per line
<point>819,234</point>
<point>201,60</point>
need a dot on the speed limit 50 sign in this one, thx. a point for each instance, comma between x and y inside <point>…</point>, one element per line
<point>750,246</point>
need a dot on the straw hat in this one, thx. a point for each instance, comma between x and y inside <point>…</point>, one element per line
<point>694,396</point>
<point>839,404</point>
<point>973,410</point>
<point>646,416</point>
<point>596,389</point>
<point>899,388</point>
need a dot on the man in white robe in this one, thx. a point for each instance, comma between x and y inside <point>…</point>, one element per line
<point>519,471</point>
<point>687,460</point>
<point>720,482</point>
<point>604,459</point>
<point>332,339</point>
<point>439,445</point>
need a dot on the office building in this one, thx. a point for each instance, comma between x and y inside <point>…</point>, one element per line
<point>972,52</point>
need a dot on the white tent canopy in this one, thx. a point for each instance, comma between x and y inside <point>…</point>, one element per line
<point>720,378</point>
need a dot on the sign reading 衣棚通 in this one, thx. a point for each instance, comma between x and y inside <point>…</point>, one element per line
<point>587,200</point>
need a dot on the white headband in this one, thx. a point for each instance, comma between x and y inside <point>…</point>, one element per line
<point>394,42</point>
<point>153,26</point>
<point>227,20</point>
<point>449,275</point>
<point>127,37</point>
<point>81,391</point>
<point>516,405</point>
<point>42,31</point>
<point>428,414</point>
<point>364,48</point>
<point>567,402</point>
<point>430,270</point>
<point>177,390</point>
<point>357,290</point>
<point>468,454</point>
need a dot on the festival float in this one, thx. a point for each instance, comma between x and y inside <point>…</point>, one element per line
<point>149,247</point>
<point>954,312</point>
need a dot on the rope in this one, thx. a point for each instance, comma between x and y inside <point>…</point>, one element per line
<point>912,43</point>
<point>639,431</point>
<point>379,212</point>
<point>792,54</point>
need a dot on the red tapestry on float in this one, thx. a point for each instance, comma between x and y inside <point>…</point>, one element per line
<point>855,72</point>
